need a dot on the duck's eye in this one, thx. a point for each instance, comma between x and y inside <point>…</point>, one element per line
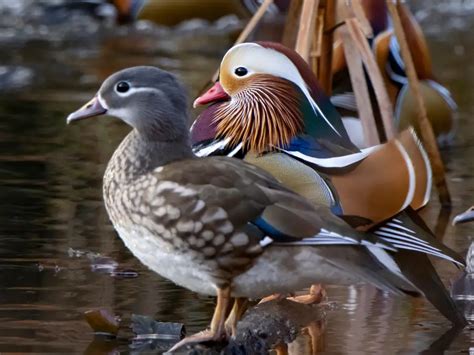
<point>241,71</point>
<point>122,87</point>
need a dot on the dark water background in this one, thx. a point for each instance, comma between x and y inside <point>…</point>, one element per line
<point>51,209</point>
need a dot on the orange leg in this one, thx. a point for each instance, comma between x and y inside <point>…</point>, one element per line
<point>316,294</point>
<point>217,331</point>
<point>238,310</point>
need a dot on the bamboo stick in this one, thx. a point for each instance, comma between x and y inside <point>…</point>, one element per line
<point>253,22</point>
<point>360,88</point>
<point>325,62</point>
<point>306,29</point>
<point>383,100</point>
<point>425,128</point>
<point>316,42</point>
<point>291,24</point>
<point>364,22</point>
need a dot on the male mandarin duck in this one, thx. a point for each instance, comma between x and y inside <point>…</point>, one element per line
<point>218,225</point>
<point>441,108</point>
<point>295,121</point>
<point>269,110</point>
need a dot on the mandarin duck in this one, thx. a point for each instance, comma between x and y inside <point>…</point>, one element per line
<point>466,216</point>
<point>440,106</point>
<point>268,110</point>
<point>217,225</point>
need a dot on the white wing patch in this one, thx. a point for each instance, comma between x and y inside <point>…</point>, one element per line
<point>208,150</point>
<point>336,162</point>
<point>411,175</point>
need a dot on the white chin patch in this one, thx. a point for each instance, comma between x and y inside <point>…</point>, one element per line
<point>102,102</point>
<point>122,113</point>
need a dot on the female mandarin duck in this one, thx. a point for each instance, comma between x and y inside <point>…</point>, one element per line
<point>217,225</point>
<point>441,108</point>
<point>269,111</point>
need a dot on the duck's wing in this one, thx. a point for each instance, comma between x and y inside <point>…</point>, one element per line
<point>240,194</point>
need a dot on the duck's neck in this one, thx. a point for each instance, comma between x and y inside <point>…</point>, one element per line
<point>138,155</point>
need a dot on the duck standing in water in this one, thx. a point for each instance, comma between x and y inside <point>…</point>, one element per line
<point>217,225</point>
<point>268,110</point>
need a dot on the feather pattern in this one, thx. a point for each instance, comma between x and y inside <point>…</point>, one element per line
<point>250,116</point>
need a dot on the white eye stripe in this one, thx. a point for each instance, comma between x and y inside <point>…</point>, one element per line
<point>256,58</point>
<point>133,90</point>
<point>249,72</point>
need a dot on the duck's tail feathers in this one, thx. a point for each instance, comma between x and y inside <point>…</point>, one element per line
<point>417,268</point>
<point>407,231</point>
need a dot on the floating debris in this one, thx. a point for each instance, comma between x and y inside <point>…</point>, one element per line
<point>76,253</point>
<point>103,264</point>
<point>152,335</point>
<point>103,322</point>
<point>124,274</point>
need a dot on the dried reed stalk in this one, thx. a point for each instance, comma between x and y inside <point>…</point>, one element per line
<point>325,62</point>
<point>257,16</point>
<point>360,88</point>
<point>291,23</point>
<point>306,28</point>
<point>383,100</point>
<point>425,128</point>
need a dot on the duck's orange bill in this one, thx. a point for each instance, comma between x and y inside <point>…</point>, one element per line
<point>214,94</point>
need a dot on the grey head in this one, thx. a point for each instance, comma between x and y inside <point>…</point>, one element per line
<point>149,99</point>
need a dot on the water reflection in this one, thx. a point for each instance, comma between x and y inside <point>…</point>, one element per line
<point>50,194</point>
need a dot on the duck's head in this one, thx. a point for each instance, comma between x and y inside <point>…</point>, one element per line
<point>127,10</point>
<point>149,99</point>
<point>265,89</point>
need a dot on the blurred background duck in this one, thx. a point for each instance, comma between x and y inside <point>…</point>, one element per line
<point>466,216</point>
<point>441,108</point>
<point>172,12</point>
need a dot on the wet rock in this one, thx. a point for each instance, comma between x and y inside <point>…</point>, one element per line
<point>272,323</point>
<point>267,326</point>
